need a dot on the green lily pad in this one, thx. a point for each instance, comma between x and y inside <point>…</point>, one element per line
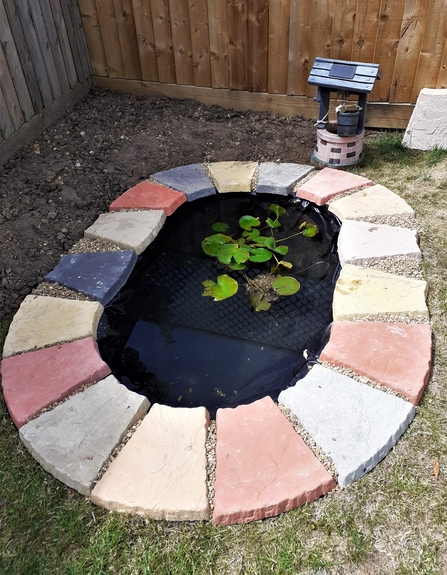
<point>260,255</point>
<point>240,256</point>
<point>211,244</point>
<point>286,285</point>
<point>223,289</point>
<point>220,227</point>
<point>248,222</point>
<point>309,231</point>
<point>270,243</point>
<point>281,250</point>
<point>226,252</point>
<point>273,223</point>
<point>259,301</point>
<point>278,210</point>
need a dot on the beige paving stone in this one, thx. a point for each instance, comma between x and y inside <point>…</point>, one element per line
<point>370,202</point>
<point>161,472</point>
<point>232,176</point>
<point>427,128</point>
<point>362,292</point>
<point>42,321</point>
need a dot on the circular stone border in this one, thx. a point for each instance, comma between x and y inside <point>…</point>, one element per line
<point>225,177</point>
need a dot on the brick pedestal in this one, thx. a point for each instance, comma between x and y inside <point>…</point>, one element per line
<point>337,151</point>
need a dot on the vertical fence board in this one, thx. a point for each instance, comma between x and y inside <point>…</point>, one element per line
<point>93,35</point>
<point>238,42</point>
<point>67,24</point>
<point>218,21</point>
<point>365,30</point>
<point>128,38</point>
<point>320,35</point>
<point>181,41</point>
<point>258,45</point>
<point>78,37</point>
<point>279,18</point>
<point>200,42</point>
<point>145,39</point>
<point>441,81</point>
<point>163,40</point>
<point>54,44</point>
<point>9,92</point>
<point>105,11</point>
<point>343,19</point>
<point>299,64</point>
<point>6,125</point>
<point>64,42</point>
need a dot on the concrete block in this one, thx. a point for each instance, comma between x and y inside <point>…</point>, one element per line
<point>233,176</point>
<point>192,180</point>
<point>276,178</point>
<point>427,128</point>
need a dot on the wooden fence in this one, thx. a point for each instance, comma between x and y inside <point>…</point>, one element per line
<point>258,53</point>
<point>44,67</point>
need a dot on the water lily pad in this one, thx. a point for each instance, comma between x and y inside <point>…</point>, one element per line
<point>260,255</point>
<point>259,301</point>
<point>226,252</point>
<point>248,222</point>
<point>278,210</point>
<point>223,289</point>
<point>220,227</point>
<point>273,223</point>
<point>310,230</point>
<point>286,285</point>
<point>211,244</point>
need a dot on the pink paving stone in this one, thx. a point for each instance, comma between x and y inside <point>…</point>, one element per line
<point>397,355</point>
<point>329,183</point>
<point>37,379</point>
<point>149,196</point>
<point>263,466</point>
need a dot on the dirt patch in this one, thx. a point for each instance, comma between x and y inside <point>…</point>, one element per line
<point>55,187</point>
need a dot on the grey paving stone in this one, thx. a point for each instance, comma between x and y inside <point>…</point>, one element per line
<point>192,180</point>
<point>355,424</point>
<point>274,178</point>
<point>75,439</point>
<point>97,275</point>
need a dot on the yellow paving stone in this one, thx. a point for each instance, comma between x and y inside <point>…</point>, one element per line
<point>233,176</point>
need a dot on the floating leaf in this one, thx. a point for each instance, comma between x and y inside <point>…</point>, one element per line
<point>281,250</point>
<point>278,210</point>
<point>260,240</point>
<point>259,301</point>
<point>241,241</point>
<point>285,285</point>
<point>260,255</point>
<point>251,235</point>
<point>241,256</point>
<point>235,266</point>
<point>226,252</point>
<point>270,243</point>
<point>220,227</point>
<point>211,244</point>
<point>285,264</point>
<point>248,222</point>
<point>309,231</point>
<point>223,289</point>
<point>272,223</point>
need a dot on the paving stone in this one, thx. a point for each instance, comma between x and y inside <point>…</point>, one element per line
<point>274,178</point>
<point>161,472</point>
<point>149,196</point>
<point>360,241</point>
<point>34,380</point>
<point>75,439</point>
<point>42,321</point>
<point>130,230</point>
<point>427,128</point>
<point>233,176</point>
<point>97,275</point>
<point>397,355</point>
<point>361,292</point>
<point>263,466</point>
<point>355,424</point>
<point>372,202</point>
<point>328,183</point>
<point>192,180</point>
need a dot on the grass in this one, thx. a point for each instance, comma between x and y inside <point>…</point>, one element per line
<point>391,521</point>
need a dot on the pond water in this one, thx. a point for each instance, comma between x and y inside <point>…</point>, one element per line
<point>163,339</point>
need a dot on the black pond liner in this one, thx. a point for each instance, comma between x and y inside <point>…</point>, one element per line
<point>162,339</point>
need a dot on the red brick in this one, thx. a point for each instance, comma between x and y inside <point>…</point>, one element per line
<point>149,196</point>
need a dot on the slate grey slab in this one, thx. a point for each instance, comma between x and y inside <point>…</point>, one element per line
<point>355,424</point>
<point>275,178</point>
<point>97,275</point>
<point>192,180</point>
<point>75,439</point>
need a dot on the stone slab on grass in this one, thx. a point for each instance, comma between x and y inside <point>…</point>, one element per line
<point>427,128</point>
<point>130,230</point>
<point>232,176</point>
<point>161,472</point>
<point>369,203</point>
<point>192,180</point>
<point>43,321</point>
<point>149,196</point>
<point>263,466</point>
<point>99,276</point>
<point>396,355</point>
<point>75,439</point>
<point>359,242</point>
<point>275,178</point>
<point>365,292</point>
<point>34,380</point>
<point>329,183</point>
<point>355,424</point>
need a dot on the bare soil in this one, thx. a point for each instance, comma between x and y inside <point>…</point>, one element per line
<point>54,188</point>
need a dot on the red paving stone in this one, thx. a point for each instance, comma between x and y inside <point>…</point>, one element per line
<point>329,183</point>
<point>263,466</point>
<point>149,196</point>
<point>397,355</point>
<point>35,380</point>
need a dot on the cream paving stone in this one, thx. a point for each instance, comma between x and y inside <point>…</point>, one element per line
<point>427,128</point>
<point>161,472</point>
<point>360,241</point>
<point>232,176</point>
<point>362,292</point>
<point>371,202</point>
<point>131,230</point>
<point>75,439</point>
<point>42,321</point>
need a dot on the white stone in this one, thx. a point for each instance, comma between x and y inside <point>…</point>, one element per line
<point>427,128</point>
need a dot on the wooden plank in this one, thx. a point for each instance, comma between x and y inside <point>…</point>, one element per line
<point>258,45</point>
<point>432,48</point>
<point>218,19</point>
<point>9,92</point>
<point>320,36</point>
<point>43,120</point>
<point>343,18</point>
<point>366,25</point>
<point>145,39</point>
<point>278,57</point>
<point>64,42</point>
<point>238,43</point>
<point>67,24</point>
<point>299,65</point>
<point>6,124</point>
<point>411,36</point>
<point>380,115</point>
<point>181,41</point>
<point>105,12</point>
<point>200,42</point>
<point>163,40</point>
<point>79,37</point>
<point>93,35</point>
<point>128,38</point>
<point>54,44</point>
<point>442,75</point>
<point>14,65</point>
